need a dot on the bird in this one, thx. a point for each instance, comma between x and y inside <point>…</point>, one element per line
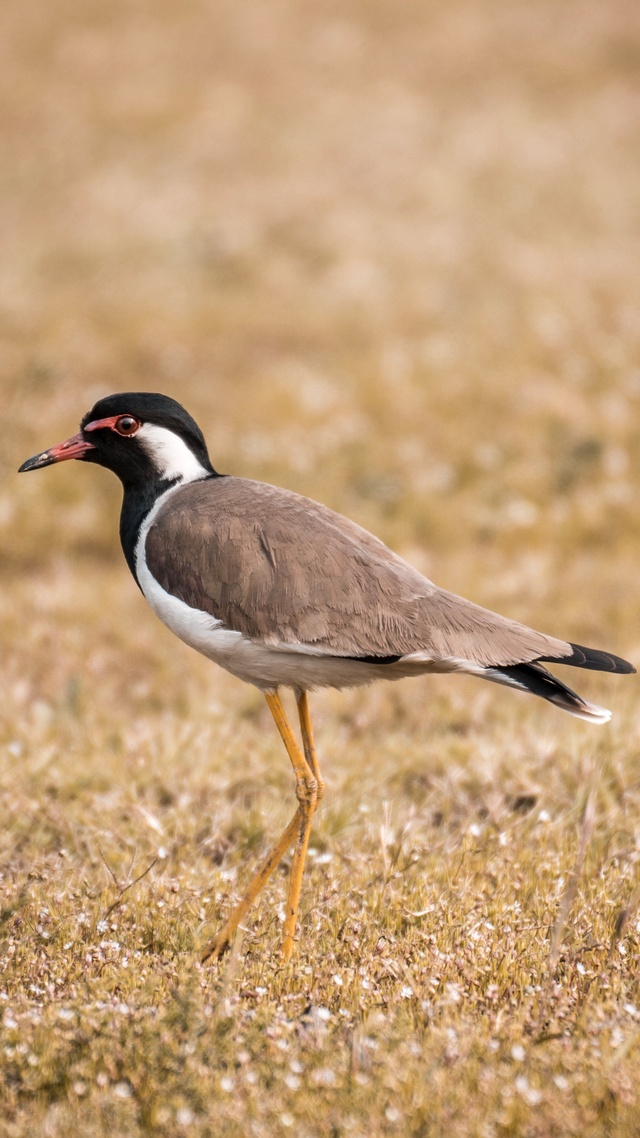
<point>284,592</point>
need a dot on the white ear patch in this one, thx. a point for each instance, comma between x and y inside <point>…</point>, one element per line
<point>170,455</point>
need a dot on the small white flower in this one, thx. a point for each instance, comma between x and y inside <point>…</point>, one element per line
<point>324,1077</point>
<point>529,1094</point>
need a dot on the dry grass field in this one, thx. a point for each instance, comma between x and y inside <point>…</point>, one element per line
<point>387,254</point>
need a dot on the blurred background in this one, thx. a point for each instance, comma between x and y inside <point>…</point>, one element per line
<point>386,252</point>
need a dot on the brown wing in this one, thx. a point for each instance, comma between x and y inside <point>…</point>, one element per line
<point>283,569</point>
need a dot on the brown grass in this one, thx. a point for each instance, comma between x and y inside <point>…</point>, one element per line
<point>387,254</point>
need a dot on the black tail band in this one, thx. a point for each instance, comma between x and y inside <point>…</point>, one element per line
<point>593,659</point>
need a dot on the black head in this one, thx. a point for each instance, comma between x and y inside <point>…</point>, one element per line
<point>143,437</point>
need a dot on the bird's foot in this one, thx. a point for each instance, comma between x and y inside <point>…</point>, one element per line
<point>217,947</point>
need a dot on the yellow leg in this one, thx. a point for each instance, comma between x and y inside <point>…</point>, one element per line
<point>222,941</point>
<point>307,795</point>
<point>308,743</point>
<point>299,828</point>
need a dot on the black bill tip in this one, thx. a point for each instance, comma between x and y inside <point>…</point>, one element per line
<point>75,447</point>
<point>38,460</point>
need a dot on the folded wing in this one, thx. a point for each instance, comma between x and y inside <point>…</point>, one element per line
<point>284,570</point>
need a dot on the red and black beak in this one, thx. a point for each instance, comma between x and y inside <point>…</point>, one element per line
<point>76,447</point>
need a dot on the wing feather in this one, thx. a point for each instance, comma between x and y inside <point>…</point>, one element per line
<point>285,570</point>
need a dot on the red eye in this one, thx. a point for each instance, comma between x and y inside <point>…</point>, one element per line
<point>126,425</point>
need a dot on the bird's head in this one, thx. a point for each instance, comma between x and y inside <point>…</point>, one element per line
<point>141,436</point>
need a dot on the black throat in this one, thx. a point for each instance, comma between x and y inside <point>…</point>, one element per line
<point>137,502</point>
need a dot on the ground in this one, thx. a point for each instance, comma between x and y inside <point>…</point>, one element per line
<point>386,253</point>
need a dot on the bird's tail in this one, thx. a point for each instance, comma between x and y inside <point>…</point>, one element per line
<point>534,678</point>
<point>537,680</point>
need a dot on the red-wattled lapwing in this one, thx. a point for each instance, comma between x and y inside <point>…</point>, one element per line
<point>283,592</point>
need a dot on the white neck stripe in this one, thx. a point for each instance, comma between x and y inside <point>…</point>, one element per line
<point>170,455</point>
